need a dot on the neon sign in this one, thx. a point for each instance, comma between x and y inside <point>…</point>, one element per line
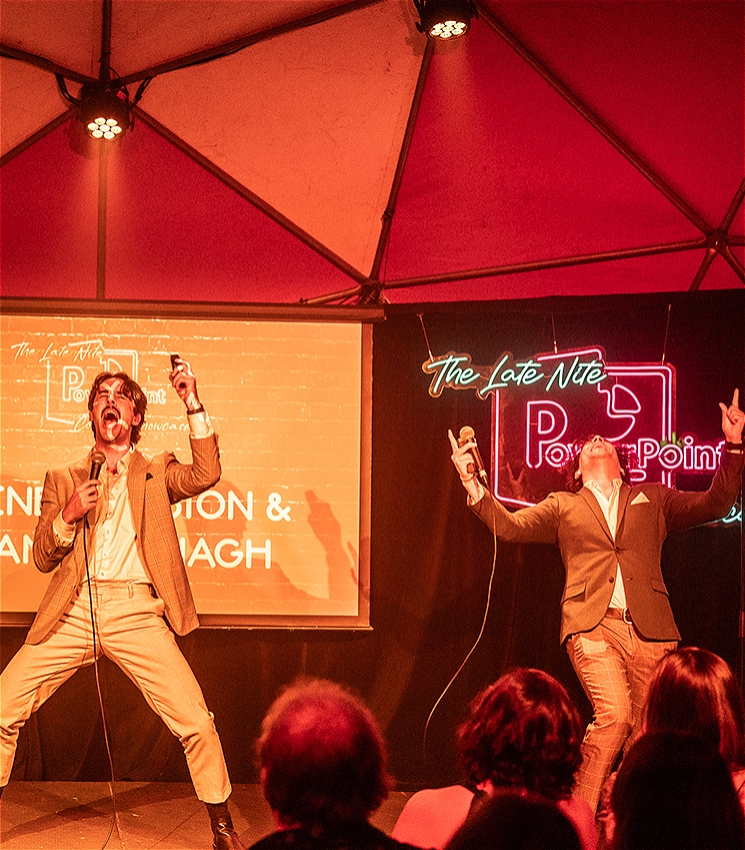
<point>542,405</point>
<point>454,371</point>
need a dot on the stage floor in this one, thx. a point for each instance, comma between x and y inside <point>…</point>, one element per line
<point>151,816</point>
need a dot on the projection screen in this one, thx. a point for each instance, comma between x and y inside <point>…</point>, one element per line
<point>283,539</point>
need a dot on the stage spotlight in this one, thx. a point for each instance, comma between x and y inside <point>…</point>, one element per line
<point>445,18</point>
<point>104,110</point>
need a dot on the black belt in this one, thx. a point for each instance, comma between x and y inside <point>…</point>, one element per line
<point>619,614</point>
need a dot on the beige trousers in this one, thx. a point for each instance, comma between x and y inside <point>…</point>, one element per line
<point>131,631</point>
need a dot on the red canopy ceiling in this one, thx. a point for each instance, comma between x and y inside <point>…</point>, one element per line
<point>558,148</point>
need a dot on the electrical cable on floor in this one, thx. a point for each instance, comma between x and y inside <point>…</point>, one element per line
<point>469,654</point>
<point>112,787</point>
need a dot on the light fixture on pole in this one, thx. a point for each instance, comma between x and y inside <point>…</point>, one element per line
<point>104,110</point>
<point>445,18</point>
<point>103,106</point>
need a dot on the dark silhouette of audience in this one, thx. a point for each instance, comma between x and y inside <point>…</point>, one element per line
<point>514,820</point>
<point>675,792</point>
<point>693,692</point>
<point>524,734</point>
<point>323,770</point>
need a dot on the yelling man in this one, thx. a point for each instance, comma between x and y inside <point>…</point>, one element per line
<point>119,586</point>
<point>616,620</point>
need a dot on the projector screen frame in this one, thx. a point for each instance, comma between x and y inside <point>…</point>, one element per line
<point>364,315</point>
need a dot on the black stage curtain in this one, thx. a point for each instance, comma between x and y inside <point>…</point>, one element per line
<point>431,558</point>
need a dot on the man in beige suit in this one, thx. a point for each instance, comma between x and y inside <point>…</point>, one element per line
<point>616,618</point>
<point>112,546</point>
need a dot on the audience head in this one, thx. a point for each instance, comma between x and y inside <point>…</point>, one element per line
<point>675,791</point>
<point>693,691</point>
<point>523,732</point>
<point>322,755</point>
<point>513,820</point>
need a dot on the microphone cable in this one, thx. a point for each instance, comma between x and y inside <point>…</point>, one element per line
<point>470,651</point>
<point>114,820</point>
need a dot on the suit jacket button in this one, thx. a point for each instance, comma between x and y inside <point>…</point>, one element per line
<point>612,579</point>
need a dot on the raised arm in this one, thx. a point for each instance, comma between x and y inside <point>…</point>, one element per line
<point>733,420</point>
<point>536,524</point>
<point>466,468</point>
<point>185,480</point>
<point>184,381</point>
<point>684,509</point>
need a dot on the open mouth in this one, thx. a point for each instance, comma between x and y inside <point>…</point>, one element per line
<point>110,416</point>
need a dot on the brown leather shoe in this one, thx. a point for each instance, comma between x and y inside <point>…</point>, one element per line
<point>225,837</point>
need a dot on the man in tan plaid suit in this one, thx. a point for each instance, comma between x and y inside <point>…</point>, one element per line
<point>112,546</point>
<point>616,619</point>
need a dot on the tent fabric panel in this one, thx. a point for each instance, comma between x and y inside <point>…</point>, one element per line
<point>174,232</point>
<point>510,173</point>
<point>150,32</point>
<point>720,275</point>
<point>311,122</point>
<point>49,219</point>
<point>659,273</point>
<point>22,113</point>
<point>502,170</point>
<point>67,32</point>
<point>632,76</point>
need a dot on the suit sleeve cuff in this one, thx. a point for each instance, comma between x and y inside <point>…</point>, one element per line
<point>64,534</point>
<point>200,425</point>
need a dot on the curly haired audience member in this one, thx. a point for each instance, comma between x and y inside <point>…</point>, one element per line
<point>323,770</point>
<point>524,733</point>
<point>675,791</point>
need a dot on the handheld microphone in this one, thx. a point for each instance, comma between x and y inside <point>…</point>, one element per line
<point>98,459</point>
<point>468,435</point>
<point>174,363</point>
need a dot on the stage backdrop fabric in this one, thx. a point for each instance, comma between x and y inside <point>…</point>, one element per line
<point>431,559</point>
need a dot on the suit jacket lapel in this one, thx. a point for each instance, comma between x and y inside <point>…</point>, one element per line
<point>624,495</point>
<point>592,503</point>
<point>136,487</point>
<point>80,471</point>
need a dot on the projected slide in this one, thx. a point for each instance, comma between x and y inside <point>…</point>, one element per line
<point>282,538</point>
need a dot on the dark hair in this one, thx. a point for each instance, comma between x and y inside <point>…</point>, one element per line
<point>131,389</point>
<point>516,821</point>
<point>693,691</point>
<point>322,755</point>
<point>524,731</point>
<point>626,461</point>
<point>675,791</point>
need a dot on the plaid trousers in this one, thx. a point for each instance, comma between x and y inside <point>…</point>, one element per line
<point>614,663</point>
